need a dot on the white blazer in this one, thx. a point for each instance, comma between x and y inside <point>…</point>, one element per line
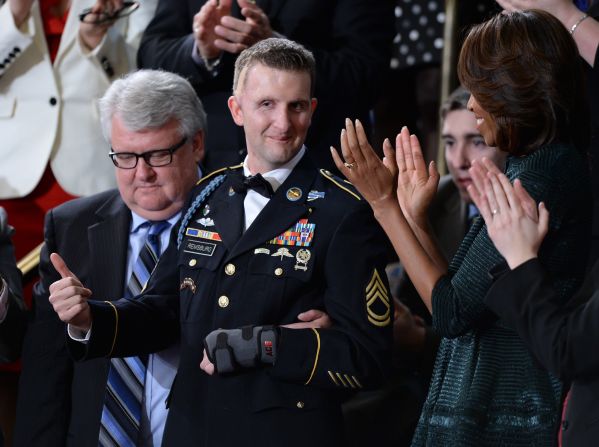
<point>49,112</point>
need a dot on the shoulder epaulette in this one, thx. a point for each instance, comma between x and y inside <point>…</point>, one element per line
<point>213,173</point>
<point>338,182</point>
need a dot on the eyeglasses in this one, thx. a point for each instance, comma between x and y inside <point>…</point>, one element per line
<point>87,16</point>
<point>155,158</point>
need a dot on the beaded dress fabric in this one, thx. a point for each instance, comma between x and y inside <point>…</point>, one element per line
<point>487,389</point>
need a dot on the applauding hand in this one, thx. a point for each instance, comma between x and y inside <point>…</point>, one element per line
<point>416,185</point>
<point>514,222</point>
<point>373,178</point>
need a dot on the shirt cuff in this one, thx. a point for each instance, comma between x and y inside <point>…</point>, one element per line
<point>79,335</point>
<point>3,301</point>
<point>211,68</point>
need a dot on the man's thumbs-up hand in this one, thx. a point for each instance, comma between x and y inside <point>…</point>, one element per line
<point>69,297</point>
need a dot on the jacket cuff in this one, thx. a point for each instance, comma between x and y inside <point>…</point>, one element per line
<point>103,336</point>
<point>496,296</point>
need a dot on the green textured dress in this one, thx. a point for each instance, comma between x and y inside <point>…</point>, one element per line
<point>487,389</point>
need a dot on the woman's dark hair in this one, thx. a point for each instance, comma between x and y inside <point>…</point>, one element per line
<point>524,69</point>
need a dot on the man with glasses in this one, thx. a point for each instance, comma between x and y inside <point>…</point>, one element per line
<point>155,125</point>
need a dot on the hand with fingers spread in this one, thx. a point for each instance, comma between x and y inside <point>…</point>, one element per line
<point>235,35</point>
<point>69,297</point>
<point>216,30</point>
<point>514,222</point>
<point>373,178</point>
<point>416,184</point>
<point>204,27</point>
<point>91,34</point>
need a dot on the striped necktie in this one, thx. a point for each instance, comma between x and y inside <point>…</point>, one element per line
<point>121,415</point>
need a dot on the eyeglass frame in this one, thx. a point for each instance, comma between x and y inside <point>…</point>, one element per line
<point>115,15</point>
<point>147,155</point>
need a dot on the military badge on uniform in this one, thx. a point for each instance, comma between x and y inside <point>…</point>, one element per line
<point>283,253</point>
<point>261,251</point>
<point>188,283</point>
<point>206,210</point>
<point>202,234</point>
<point>313,195</point>
<point>294,194</point>
<point>205,221</point>
<point>378,304</point>
<point>302,257</point>
<point>300,234</point>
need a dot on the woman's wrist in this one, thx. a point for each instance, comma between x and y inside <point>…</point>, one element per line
<point>569,15</point>
<point>518,259</point>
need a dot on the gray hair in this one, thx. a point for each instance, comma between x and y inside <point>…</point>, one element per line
<point>282,54</point>
<point>149,99</point>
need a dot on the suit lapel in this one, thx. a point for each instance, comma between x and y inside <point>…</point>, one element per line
<point>108,241</point>
<point>227,212</point>
<point>280,213</point>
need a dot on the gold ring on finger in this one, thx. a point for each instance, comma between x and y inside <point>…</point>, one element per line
<point>349,165</point>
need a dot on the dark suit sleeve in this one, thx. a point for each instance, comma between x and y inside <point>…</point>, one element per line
<point>141,325</point>
<point>43,406</point>
<point>564,340</point>
<point>356,351</point>
<point>12,329</point>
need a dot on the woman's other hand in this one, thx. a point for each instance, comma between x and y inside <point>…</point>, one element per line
<point>514,222</point>
<point>416,183</point>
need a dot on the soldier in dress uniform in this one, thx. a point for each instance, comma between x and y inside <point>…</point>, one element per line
<point>258,244</point>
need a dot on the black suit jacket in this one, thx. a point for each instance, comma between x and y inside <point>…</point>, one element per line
<point>351,41</point>
<point>222,279</point>
<point>565,340</point>
<point>12,329</point>
<point>60,402</point>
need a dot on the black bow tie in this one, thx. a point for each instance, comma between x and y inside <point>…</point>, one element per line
<point>255,182</point>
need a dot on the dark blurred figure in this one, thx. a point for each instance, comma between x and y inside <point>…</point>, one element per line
<point>12,316</point>
<point>350,39</point>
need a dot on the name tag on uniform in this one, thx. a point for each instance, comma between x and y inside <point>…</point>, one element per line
<point>199,247</point>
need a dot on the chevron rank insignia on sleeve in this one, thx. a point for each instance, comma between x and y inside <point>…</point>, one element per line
<point>378,305</point>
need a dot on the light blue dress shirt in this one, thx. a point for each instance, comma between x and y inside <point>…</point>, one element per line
<point>162,366</point>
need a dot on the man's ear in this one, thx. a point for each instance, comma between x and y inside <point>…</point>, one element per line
<point>235,109</point>
<point>313,104</point>
<point>197,142</point>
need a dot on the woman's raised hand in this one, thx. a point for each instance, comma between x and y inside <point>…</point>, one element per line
<point>373,178</point>
<point>416,184</point>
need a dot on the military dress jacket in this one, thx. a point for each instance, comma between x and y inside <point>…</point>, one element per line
<point>314,245</point>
